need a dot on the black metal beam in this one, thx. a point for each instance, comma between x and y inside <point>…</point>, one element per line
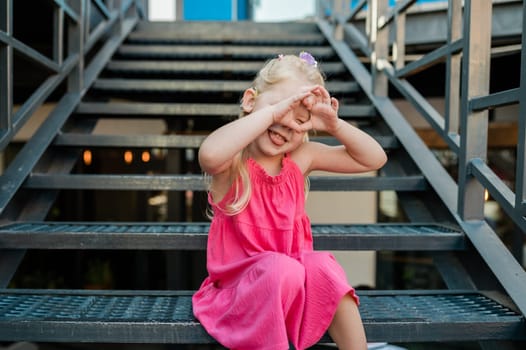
<point>28,157</point>
<point>506,269</point>
<point>166,317</point>
<point>221,51</point>
<point>203,67</point>
<point>197,182</point>
<point>180,86</point>
<point>181,236</point>
<point>133,109</point>
<point>170,141</point>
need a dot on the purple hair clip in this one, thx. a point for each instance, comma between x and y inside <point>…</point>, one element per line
<point>308,58</point>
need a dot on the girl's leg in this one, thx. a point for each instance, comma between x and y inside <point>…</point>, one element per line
<point>346,328</point>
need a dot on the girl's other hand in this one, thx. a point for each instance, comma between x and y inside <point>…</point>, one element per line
<point>323,109</point>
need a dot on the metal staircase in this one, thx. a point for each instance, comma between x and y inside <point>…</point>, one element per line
<point>189,75</point>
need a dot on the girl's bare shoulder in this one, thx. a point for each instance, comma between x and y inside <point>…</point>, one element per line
<point>303,156</point>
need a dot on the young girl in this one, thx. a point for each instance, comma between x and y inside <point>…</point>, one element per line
<point>266,287</point>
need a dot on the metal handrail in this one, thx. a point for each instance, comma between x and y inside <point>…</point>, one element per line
<point>464,127</point>
<point>471,104</point>
<point>75,70</point>
<point>81,41</point>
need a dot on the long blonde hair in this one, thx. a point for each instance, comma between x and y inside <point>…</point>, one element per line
<point>273,72</point>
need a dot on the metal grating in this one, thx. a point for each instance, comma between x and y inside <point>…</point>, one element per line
<point>433,308</point>
<point>320,229</point>
<point>96,308</point>
<point>161,317</point>
<point>193,236</point>
<point>177,308</point>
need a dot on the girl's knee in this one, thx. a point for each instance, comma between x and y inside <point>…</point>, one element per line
<point>321,263</point>
<point>286,271</point>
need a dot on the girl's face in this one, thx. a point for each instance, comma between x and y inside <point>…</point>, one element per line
<point>279,139</point>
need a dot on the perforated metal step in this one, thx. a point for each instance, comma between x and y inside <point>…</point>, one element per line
<point>197,182</point>
<point>238,37</point>
<point>90,235</point>
<point>219,86</point>
<point>220,51</point>
<point>201,67</point>
<point>131,109</point>
<point>166,317</point>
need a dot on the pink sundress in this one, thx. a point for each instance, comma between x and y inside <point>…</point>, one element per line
<point>266,287</point>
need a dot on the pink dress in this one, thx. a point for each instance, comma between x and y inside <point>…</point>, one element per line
<point>266,287</point>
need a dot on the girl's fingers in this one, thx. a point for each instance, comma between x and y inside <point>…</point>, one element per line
<point>335,104</point>
<point>303,127</point>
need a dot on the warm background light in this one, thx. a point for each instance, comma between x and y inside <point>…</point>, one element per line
<point>128,157</point>
<point>145,156</point>
<point>87,157</point>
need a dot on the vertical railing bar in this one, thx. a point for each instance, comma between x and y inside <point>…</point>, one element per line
<point>336,12</point>
<point>87,24</point>
<point>179,10</point>
<point>520,180</point>
<point>453,61</point>
<point>234,10</point>
<point>380,43</point>
<point>118,27</point>
<point>399,42</point>
<point>346,10</point>
<point>474,124</point>
<point>70,12</point>
<point>6,68</point>
<point>58,35</point>
<point>371,21</point>
<point>75,46</point>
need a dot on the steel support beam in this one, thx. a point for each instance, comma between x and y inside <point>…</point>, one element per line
<point>474,125</point>
<point>6,68</point>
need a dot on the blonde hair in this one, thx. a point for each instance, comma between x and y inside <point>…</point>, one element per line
<point>274,71</point>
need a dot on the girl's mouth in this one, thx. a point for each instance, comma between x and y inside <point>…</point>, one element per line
<point>276,138</point>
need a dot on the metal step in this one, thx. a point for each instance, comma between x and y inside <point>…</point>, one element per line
<point>202,67</point>
<point>178,37</point>
<point>178,86</point>
<point>166,317</point>
<point>193,236</point>
<point>207,33</point>
<point>197,182</point>
<point>131,109</point>
<point>170,141</point>
<point>322,53</point>
<point>226,31</point>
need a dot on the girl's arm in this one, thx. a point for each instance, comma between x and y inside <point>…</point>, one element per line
<point>217,151</point>
<point>359,152</point>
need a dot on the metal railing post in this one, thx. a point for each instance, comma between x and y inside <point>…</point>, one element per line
<point>58,35</point>
<point>379,39</point>
<point>6,68</point>
<point>76,46</point>
<point>453,61</point>
<point>520,179</point>
<point>117,5</point>
<point>399,42</point>
<point>338,10</point>
<point>179,10</point>
<point>474,124</point>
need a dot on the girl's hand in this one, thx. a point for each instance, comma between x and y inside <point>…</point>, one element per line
<point>285,111</point>
<point>323,109</point>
